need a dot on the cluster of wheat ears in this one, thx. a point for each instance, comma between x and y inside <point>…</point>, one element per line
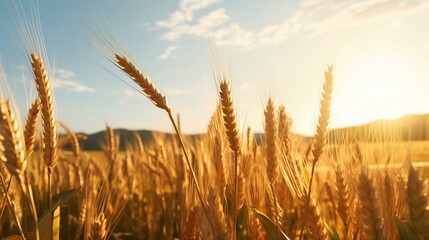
<point>221,185</point>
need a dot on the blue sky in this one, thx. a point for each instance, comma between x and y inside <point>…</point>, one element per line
<point>281,48</point>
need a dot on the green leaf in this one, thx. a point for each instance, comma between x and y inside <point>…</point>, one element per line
<point>273,233</point>
<point>49,223</point>
<point>48,220</point>
<point>64,197</point>
<point>242,216</point>
<point>333,234</point>
<point>56,224</point>
<point>403,230</point>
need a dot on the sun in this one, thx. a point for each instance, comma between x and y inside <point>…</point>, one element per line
<point>377,87</point>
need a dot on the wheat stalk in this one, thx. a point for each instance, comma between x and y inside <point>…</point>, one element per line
<point>12,152</point>
<point>322,125</point>
<point>159,101</point>
<point>233,139</point>
<point>48,113</point>
<point>49,146</point>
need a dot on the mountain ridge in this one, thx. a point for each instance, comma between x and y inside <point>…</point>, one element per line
<point>411,127</point>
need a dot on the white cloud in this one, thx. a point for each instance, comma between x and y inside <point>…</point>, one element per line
<point>185,13</point>
<point>312,17</point>
<point>169,53</point>
<point>316,17</point>
<point>201,28</point>
<point>234,35</point>
<point>63,79</point>
<point>216,23</point>
<point>71,85</point>
<point>62,73</point>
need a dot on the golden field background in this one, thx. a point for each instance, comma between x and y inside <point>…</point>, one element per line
<point>364,183</point>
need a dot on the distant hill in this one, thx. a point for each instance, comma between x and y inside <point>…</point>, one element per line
<point>96,140</point>
<point>407,128</point>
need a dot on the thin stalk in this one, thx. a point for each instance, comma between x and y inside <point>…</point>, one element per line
<point>3,205</point>
<point>50,198</point>
<point>50,188</point>
<point>313,167</point>
<point>194,178</point>
<point>9,203</point>
<point>276,209</point>
<point>234,220</point>
<point>31,204</point>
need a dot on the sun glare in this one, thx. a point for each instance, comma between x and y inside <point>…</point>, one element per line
<point>381,87</point>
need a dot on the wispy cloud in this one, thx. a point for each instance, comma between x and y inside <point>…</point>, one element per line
<point>126,95</point>
<point>185,13</point>
<point>215,23</point>
<point>315,17</point>
<point>311,18</point>
<point>63,79</point>
<point>169,53</point>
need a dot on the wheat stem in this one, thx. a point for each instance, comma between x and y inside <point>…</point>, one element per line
<point>12,209</point>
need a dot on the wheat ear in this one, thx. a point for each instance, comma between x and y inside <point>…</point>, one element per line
<point>314,223</point>
<point>417,203</point>
<point>13,152</point>
<point>271,142</point>
<point>371,223</point>
<point>216,215</point>
<point>322,125</point>
<point>191,226</point>
<point>343,198</point>
<point>233,139</point>
<point>284,131</point>
<point>49,146</point>
<point>81,222</point>
<point>73,139</point>
<point>218,164</point>
<point>159,101</point>
<point>140,79</point>
<point>271,154</point>
<point>229,117</point>
<point>31,127</point>
<point>98,228</point>
<point>48,113</point>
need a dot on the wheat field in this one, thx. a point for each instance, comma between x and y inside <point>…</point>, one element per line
<point>222,184</point>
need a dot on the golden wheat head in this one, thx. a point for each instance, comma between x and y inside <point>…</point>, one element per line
<point>146,86</point>
<point>325,112</point>
<point>48,114</point>
<point>31,127</point>
<point>12,141</point>
<point>229,117</point>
